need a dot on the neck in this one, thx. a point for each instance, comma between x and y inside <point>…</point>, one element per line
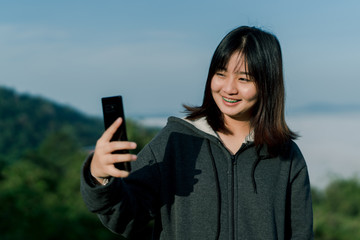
<point>236,134</point>
<point>237,127</point>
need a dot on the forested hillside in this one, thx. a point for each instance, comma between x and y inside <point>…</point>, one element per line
<point>42,147</point>
<point>25,121</point>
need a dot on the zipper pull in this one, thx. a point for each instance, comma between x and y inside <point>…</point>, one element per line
<point>233,159</point>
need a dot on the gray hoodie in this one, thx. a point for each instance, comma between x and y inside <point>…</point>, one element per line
<point>194,188</point>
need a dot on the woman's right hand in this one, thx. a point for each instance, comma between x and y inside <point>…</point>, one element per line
<point>102,164</point>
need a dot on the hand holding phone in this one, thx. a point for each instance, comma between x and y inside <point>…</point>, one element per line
<point>102,165</point>
<point>112,110</point>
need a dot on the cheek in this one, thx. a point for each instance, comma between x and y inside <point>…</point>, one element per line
<point>250,94</point>
<point>215,85</point>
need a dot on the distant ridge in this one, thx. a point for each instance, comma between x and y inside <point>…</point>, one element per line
<point>324,108</point>
<point>26,120</point>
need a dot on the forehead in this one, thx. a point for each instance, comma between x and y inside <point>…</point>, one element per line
<point>237,63</point>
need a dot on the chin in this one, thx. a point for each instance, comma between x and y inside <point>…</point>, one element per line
<point>241,116</point>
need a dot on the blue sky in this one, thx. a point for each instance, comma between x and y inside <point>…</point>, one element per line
<point>156,53</point>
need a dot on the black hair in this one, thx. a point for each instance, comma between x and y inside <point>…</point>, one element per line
<point>262,54</point>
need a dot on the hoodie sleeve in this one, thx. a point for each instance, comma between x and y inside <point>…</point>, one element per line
<point>124,205</point>
<point>301,213</point>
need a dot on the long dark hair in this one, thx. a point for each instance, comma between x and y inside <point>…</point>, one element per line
<point>262,53</point>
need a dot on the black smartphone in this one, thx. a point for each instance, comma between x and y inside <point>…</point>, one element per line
<point>112,110</point>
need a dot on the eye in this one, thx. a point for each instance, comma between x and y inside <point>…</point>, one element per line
<point>245,79</point>
<point>220,74</point>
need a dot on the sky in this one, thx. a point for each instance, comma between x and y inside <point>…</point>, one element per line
<point>157,53</point>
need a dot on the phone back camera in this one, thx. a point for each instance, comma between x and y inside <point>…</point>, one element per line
<point>110,108</point>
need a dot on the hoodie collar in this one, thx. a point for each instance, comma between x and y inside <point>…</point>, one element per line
<point>203,125</point>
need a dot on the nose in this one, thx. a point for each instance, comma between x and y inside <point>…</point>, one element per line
<point>230,86</point>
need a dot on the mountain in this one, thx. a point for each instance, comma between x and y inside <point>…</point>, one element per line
<point>325,108</point>
<point>25,121</point>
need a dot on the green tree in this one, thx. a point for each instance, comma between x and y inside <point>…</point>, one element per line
<point>337,210</point>
<point>40,197</point>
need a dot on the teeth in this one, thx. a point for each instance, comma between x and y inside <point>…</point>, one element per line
<point>230,100</point>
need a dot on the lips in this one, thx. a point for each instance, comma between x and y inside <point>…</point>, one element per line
<point>229,100</point>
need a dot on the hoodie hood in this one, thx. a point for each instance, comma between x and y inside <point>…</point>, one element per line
<point>204,126</point>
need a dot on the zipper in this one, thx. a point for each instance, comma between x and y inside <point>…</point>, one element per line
<point>233,207</point>
<point>232,186</point>
<point>232,198</point>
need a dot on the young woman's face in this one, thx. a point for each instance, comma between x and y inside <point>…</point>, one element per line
<point>234,91</point>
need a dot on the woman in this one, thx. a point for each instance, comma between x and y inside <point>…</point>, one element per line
<point>229,170</point>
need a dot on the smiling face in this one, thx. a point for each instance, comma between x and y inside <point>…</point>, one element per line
<point>234,91</point>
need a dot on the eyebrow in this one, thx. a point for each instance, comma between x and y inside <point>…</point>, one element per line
<point>242,73</point>
<point>236,72</point>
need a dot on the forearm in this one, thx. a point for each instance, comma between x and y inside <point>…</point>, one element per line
<point>98,197</point>
<point>122,204</point>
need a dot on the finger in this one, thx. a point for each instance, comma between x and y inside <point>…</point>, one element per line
<point>108,134</point>
<point>118,158</point>
<point>108,164</point>
<point>114,172</point>
<point>119,145</point>
<point>111,159</point>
